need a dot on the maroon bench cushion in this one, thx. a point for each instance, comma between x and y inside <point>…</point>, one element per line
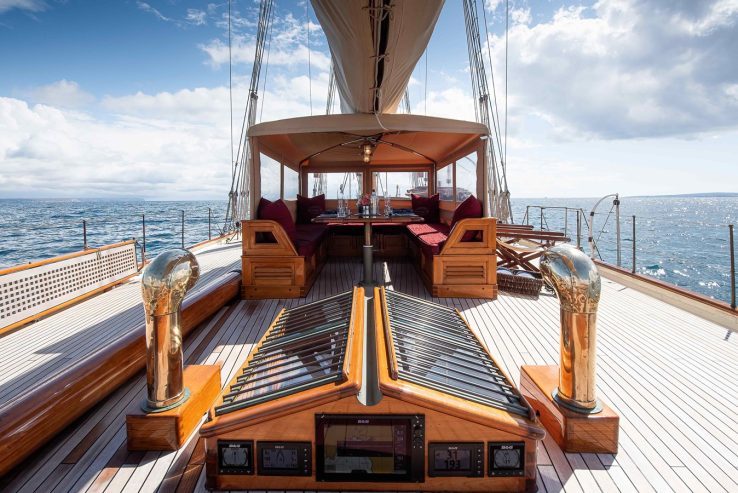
<point>420,229</point>
<point>426,207</point>
<point>432,243</point>
<point>306,248</point>
<point>309,208</point>
<point>278,211</point>
<point>469,208</point>
<point>311,232</point>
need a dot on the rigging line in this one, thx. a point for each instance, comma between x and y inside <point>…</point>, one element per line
<point>495,113</point>
<point>266,69</point>
<point>471,55</point>
<point>310,77</point>
<point>230,77</point>
<point>507,37</point>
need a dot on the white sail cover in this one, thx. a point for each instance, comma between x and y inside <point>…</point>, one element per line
<point>357,53</point>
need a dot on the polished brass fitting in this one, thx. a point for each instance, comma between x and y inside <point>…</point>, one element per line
<point>576,281</point>
<point>163,286</point>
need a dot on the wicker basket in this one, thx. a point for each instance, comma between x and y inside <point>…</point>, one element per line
<point>519,281</point>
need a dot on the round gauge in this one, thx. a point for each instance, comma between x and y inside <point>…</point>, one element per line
<point>234,457</point>
<point>507,459</point>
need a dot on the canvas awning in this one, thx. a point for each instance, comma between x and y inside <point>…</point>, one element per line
<point>335,140</point>
<point>375,45</point>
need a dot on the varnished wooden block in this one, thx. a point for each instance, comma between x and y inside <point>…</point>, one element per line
<point>574,432</point>
<point>168,430</point>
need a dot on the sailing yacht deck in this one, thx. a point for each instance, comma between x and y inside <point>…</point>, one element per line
<point>45,348</point>
<point>669,374</point>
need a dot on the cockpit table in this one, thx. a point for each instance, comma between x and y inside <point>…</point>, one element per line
<point>368,220</point>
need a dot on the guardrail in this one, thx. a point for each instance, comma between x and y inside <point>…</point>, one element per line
<point>543,222</point>
<point>28,292</point>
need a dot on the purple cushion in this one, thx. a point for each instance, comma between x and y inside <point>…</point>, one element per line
<point>262,203</point>
<point>309,208</point>
<point>278,211</point>
<point>306,248</point>
<point>426,207</point>
<point>432,243</point>
<point>470,208</point>
<point>311,232</point>
<point>425,228</point>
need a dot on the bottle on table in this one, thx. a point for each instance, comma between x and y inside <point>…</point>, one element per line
<point>374,203</point>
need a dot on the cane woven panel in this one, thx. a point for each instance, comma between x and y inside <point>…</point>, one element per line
<point>29,292</point>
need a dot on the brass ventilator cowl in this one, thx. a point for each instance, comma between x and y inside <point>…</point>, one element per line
<point>576,281</point>
<point>163,286</point>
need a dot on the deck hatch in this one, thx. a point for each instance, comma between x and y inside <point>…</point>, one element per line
<point>305,348</point>
<point>434,348</point>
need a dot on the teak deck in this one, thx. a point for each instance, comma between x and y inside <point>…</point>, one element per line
<point>670,375</point>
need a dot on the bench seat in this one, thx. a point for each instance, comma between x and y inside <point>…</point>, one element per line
<point>459,261</point>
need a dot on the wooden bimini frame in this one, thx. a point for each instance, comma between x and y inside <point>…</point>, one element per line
<point>399,142</point>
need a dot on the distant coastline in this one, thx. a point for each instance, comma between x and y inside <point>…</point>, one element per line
<point>705,195</point>
<point>224,199</point>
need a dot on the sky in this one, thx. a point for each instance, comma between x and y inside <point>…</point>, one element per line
<point>126,98</point>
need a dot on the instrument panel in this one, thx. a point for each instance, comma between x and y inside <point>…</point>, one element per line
<point>371,448</point>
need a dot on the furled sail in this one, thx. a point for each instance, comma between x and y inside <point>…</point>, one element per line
<point>375,45</point>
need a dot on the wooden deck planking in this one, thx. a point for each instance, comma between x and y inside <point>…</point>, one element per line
<point>679,440</point>
<point>46,347</point>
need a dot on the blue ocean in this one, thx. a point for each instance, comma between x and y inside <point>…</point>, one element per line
<point>681,240</point>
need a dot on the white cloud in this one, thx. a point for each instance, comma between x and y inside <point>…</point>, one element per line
<point>148,8</point>
<point>52,152</point>
<point>62,93</point>
<point>521,16</point>
<point>30,5</point>
<point>196,17</point>
<point>171,145</point>
<point>242,51</point>
<point>627,68</point>
<point>450,103</point>
<point>287,44</point>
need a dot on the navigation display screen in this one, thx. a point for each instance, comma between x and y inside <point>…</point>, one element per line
<point>456,459</point>
<point>452,460</point>
<point>235,457</point>
<point>507,459</point>
<point>370,448</point>
<point>272,458</point>
<point>284,458</point>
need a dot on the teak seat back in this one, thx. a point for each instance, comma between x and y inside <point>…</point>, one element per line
<point>463,268</point>
<point>275,269</point>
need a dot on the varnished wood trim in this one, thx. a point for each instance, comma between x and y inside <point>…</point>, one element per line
<point>282,248</point>
<point>296,402</point>
<point>716,311</point>
<point>455,246</point>
<point>711,302</point>
<point>357,317</point>
<point>382,317</point>
<point>452,405</point>
<point>29,421</point>
<point>531,415</point>
<point>254,349</point>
